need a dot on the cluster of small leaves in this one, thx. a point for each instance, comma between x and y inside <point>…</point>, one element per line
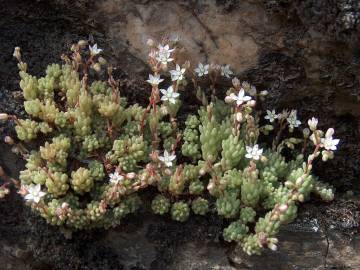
<point>101,151</point>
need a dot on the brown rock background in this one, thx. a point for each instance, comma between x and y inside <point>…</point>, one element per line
<point>305,52</point>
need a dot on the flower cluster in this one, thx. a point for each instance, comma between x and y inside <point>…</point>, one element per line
<point>100,151</point>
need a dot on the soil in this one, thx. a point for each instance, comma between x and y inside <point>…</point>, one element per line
<point>44,29</point>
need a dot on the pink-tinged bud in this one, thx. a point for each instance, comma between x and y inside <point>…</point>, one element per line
<point>9,140</point>
<point>150,42</point>
<point>17,53</point>
<point>228,99</point>
<point>236,82</point>
<point>131,175</point>
<point>168,172</point>
<point>251,103</point>
<point>64,205</point>
<point>239,117</point>
<point>4,116</point>
<point>283,208</point>
<point>23,190</point>
<point>2,173</point>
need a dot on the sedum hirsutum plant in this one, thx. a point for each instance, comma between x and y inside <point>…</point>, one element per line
<point>99,151</point>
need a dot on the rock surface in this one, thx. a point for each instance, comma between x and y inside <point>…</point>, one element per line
<point>305,52</point>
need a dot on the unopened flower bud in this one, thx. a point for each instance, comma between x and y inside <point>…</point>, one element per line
<point>324,157</point>
<point>301,198</point>
<point>313,123</point>
<point>283,208</point>
<point>96,67</point>
<point>150,42</point>
<point>64,205</point>
<point>228,99</point>
<point>17,53</point>
<point>202,171</point>
<point>15,150</point>
<point>4,116</point>
<point>187,64</point>
<point>82,43</point>
<point>102,60</point>
<point>306,132</point>
<point>299,181</point>
<point>168,172</point>
<point>272,246</point>
<point>9,140</point>
<point>263,159</point>
<point>210,186</point>
<point>130,175</point>
<point>236,83</point>
<point>251,103</point>
<point>239,117</point>
<point>264,93</point>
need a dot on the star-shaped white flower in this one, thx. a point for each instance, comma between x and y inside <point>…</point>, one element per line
<point>115,177</point>
<point>34,193</point>
<point>271,115</point>
<point>292,119</point>
<point>225,71</point>
<point>328,142</point>
<point>94,50</point>
<point>201,70</point>
<point>178,73</point>
<point>167,159</point>
<point>313,123</point>
<point>154,80</point>
<point>240,98</point>
<point>164,53</point>
<point>253,152</point>
<point>169,95</point>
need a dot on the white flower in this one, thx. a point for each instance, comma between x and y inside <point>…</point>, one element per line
<point>328,142</point>
<point>167,158</point>
<point>169,95</point>
<point>271,115</point>
<point>253,152</point>
<point>225,71</point>
<point>178,74</point>
<point>202,70</point>
<point>34,193</point>
<point>94,50</point>
<point>240,98</point>
<point>163,54</point>
<point>292,119</point>
<point>154,79</point>
<point>313,123</point>
<point>115,177</point>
